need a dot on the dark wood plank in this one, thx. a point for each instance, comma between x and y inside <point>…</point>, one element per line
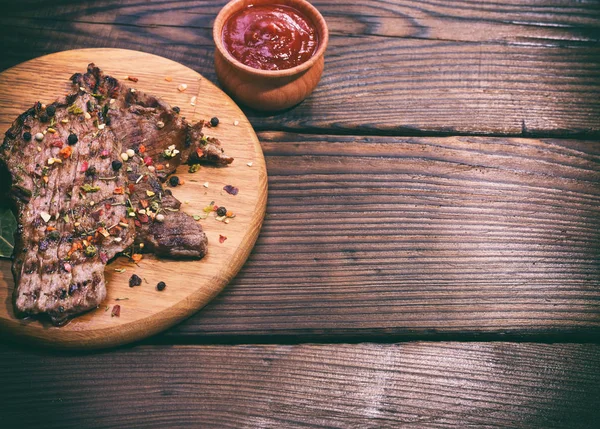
<point>316,386</point>
<point>383,236</point>
<point>394,67</point>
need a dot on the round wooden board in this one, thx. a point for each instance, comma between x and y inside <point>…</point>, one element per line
<point>190,284</point>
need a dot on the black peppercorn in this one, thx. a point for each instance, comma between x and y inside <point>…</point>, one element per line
<point>90,171</point>
<point>135,280</point>
<point>50,110</point>
<point>214,121</point>
<point>116,165</point>
<point>174,181</point>
<point>176,109</point>
<point>73,288</point>
<point>27,136</point>
<point>161,286</point>
<point>44,117</point>
<point>72,139</point>
<point>221,211</point>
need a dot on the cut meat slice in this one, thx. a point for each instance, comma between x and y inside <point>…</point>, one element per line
<point>160,226</point>
<point>143,119</point>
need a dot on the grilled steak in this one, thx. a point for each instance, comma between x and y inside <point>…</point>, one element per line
<point>79,204</point>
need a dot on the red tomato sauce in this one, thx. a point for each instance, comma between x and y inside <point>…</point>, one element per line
<point>270,37</point>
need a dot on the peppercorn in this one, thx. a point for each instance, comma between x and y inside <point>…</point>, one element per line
<point>44,117</point>
<point>214,121</point>
<point>135,280</point>
<point>72,139</point>
<point>221,211</point>
<point>174,181</point>
<point>50,110</point>
<point>176,109</point>
<point>27,136</point>
<point>116,165</point>
<point>161,286</point>
<point>90,171</point>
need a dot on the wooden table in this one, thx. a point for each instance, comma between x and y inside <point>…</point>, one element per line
<point>431,251</point>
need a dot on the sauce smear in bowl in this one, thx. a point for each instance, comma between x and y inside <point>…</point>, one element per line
<point>270,37</point>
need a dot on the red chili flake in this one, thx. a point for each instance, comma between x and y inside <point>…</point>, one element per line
<point>119,190</point>
<point>142,149</point>
<point>56,143</point>
<point>136,257</point>
<point>232,190</point>
<point>137,223</point>
<point>199,152</point>
<point>144,203</point>
<point>103,257</point>
<point>107,206</point>
<point>66,152</point>
<point>116,311</point>
<point>84,167</point>
<point>215,208</point>
<point>133,79</point>
<point>105,154</point>
<point>222,238</point>
<point>131,187</point>
<point>143,218</point>
<point>148,161</point>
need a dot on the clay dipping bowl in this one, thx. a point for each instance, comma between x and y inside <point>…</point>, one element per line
<point>269,90</point>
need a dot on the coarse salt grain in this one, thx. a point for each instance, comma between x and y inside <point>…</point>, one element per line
<point>193,101</point>
<point>182,87</point>
<point>205,184</point>
<point>45,216</point>
<point>236,123</point>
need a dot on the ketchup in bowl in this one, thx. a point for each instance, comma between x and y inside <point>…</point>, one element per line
<point>270,37</point>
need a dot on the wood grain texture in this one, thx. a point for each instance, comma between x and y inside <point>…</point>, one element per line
<point>416,237</point>
<point>190,284</point>
<point>413,385</point>
<point>396,67</point>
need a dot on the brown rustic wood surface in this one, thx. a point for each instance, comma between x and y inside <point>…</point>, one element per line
<point>415,385</point>
<point>420,236</point>
<point>441,183</point>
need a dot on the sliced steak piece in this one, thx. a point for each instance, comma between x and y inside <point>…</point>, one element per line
<point>141,119</point>
<point>161,227</point>
<point>63,192</point>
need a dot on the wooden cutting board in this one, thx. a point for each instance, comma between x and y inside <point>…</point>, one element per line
<point>190,284</point>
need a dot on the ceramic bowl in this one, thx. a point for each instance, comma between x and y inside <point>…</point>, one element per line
<point>269,90</point>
